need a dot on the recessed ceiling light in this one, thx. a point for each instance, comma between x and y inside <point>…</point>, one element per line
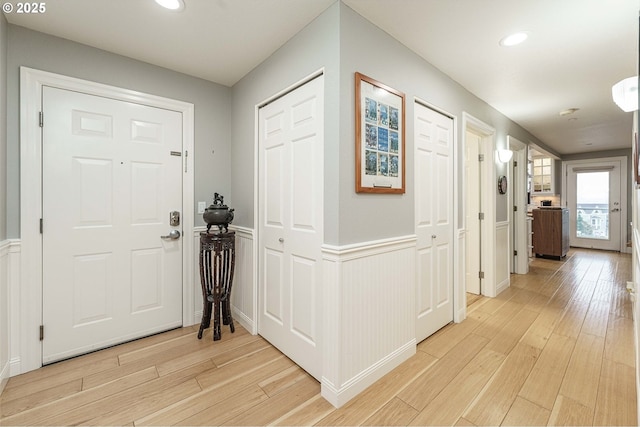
<point>175,5</point>
<point>514,39</point>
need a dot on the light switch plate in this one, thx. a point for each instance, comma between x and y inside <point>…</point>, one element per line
<point>201,207</point>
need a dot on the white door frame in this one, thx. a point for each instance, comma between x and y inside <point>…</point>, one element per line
<point>623,190</point>
<point>29,313</point>
<point>518,198</point>
<point>488,198</point>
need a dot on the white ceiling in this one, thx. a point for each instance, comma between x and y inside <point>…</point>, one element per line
<point>576,51</point>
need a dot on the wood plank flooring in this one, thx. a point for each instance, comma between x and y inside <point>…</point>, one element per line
<point>556,348</point>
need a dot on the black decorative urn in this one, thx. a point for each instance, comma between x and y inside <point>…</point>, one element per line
<point>218,214</point>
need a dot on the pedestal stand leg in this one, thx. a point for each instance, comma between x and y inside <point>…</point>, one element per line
<point>217,331</point>
<point>206,317</point>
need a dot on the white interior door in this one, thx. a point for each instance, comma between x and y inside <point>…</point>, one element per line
<point>434,220</point>
<point>472,211</point>
<point>291,153</point>
<point>595,205</point>
<point>111,176</point>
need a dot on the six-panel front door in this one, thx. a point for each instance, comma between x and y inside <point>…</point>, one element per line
<point>434,220</point>
<point>291,223</point>
<point>111,177</point>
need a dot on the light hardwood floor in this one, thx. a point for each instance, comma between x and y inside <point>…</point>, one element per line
<point>556,348</point>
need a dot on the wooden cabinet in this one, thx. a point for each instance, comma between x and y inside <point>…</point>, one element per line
<point>551,232</point>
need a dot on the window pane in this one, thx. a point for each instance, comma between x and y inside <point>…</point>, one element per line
<point>592,205</point>
<point>542,167</point>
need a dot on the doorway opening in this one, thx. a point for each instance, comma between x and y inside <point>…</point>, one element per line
<point>479,207</point>
<point>596,195</point>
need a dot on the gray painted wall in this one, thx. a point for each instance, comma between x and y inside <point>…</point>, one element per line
<point>4,263</point>
<point>316,47</point>
<point>212,115</point>
<point>368,217</point>
<point>3,128</point>
<point>340,41</point>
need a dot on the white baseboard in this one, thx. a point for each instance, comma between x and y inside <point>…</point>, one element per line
<point>356,385</point>
<point>4,376</point>
<point>244,320</point>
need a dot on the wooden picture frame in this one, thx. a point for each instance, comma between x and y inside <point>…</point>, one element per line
<point>380,137</point>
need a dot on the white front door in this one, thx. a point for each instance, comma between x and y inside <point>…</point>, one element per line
<point>595,204</point>
<point>434,220</point>
<point>291,153</point>
<point>472,183</point>
<point>111,176</point>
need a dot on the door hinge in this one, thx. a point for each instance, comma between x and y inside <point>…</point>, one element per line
<point>41,332</point>
<point>515,163</point>
<point>41,226</point>
<point>481,157</point>
<point>481,216</point>
<point>515,209</point>
<point>480,274</point>
<point>515,253</point>
<point>40,119</point>
<point>186,155</point>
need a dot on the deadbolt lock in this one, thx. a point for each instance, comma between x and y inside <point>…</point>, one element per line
<point>174,218</point>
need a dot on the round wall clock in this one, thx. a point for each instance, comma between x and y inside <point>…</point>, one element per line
<point>502,184</point>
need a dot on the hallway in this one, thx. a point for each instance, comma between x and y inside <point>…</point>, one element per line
<point>556,348</point>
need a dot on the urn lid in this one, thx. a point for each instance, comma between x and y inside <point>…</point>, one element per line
<point>218,202</point>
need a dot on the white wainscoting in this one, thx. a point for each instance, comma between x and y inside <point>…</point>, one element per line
<point>4,313</point>
<point>502,257</point>
<point>636,288</point>
<point>369,311</point>
<point>460,287</point>
<point>10,361</point>
<point>243,296</point>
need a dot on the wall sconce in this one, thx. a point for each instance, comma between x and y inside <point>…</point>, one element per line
<point>505,155</point>
<point>625,94</point>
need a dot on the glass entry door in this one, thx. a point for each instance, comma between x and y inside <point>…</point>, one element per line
<point>593,198</point>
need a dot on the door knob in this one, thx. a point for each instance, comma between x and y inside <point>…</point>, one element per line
<point>281,240</point>
<point>173,235</point>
